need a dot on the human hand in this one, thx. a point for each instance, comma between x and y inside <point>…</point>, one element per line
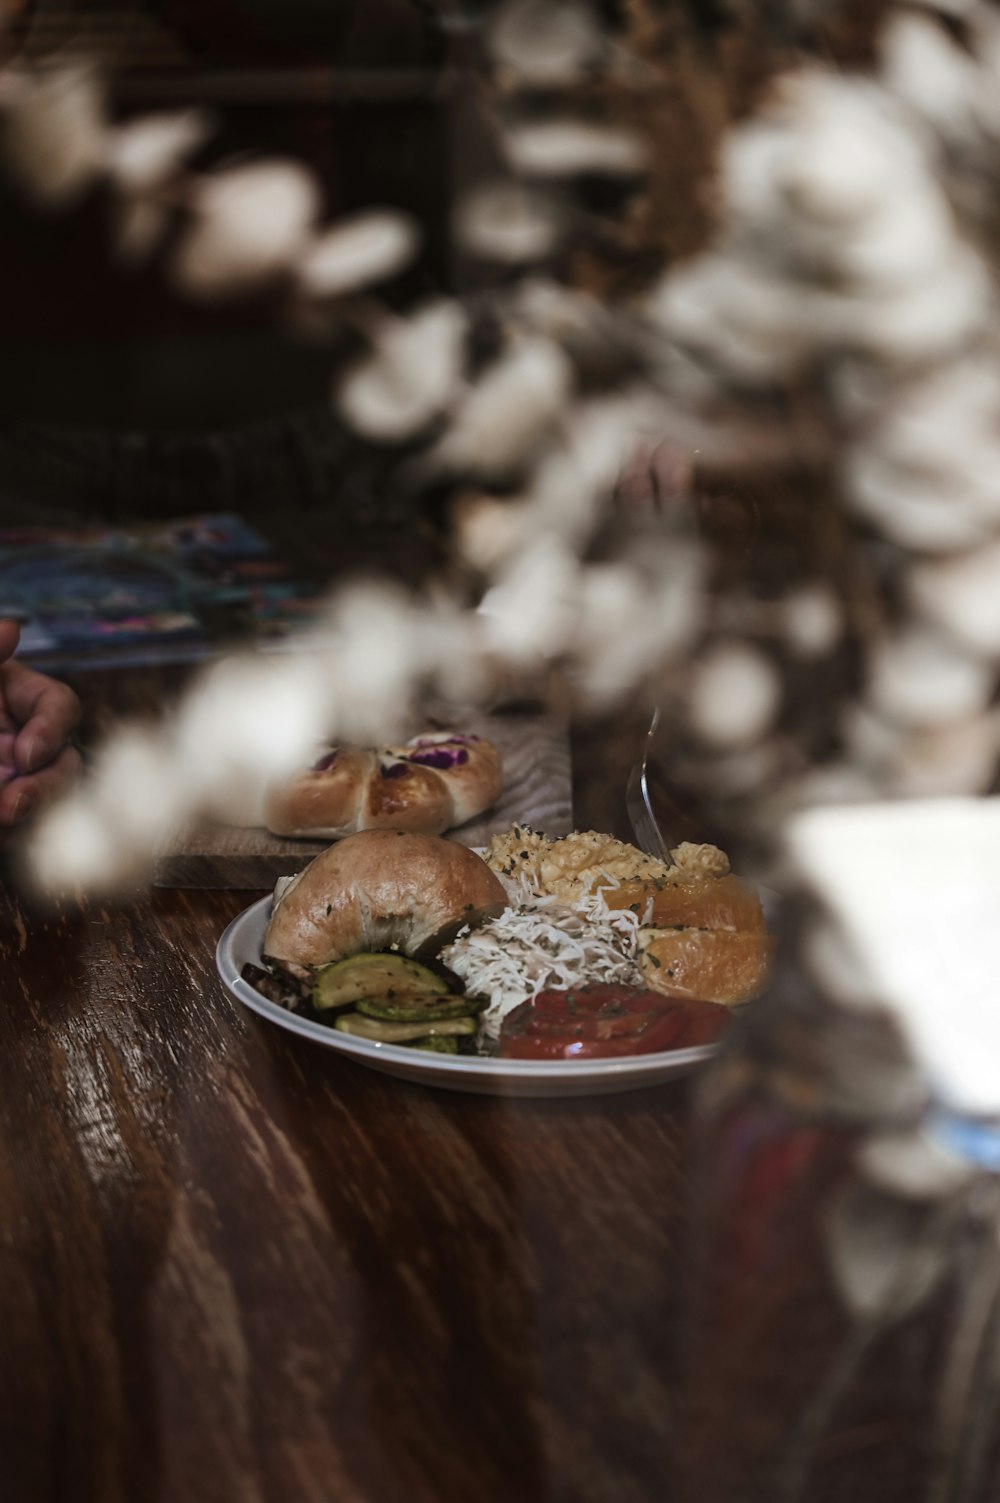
<point>37,715</point>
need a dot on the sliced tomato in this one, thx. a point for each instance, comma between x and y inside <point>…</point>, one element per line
<point>591,1022</point>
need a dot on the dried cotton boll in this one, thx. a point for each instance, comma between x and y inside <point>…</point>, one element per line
<point>568,148</point>
<point>507,415</point>
<point>958,757</point>
<point>962,596</point>
<point>846,151</point>
<point>935,78</point>
<point>507,223</point>
<point>902,243</point>
<point>73,848</point>
<point>734,695</point>
<point>915,508</point>
<point>410,377</point>
<point>104,835</point>
<point>742,317</point>
<point>143,154</point>
<point>935,317</point>
<point>53,139</point>
<point>132,784</point>
<point>920,678</point>
<point>357,252</point>
<point>632,621</point>
<point>545,42</point>
<point>532,608</point>
<point>813,622</point>
<point>449,655</point>
<point>247,721</point>
<point>250,225</point>
<point>373,651</point>
<point>487,531</point>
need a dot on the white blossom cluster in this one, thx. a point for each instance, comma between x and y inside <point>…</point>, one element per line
<point>843,266</point>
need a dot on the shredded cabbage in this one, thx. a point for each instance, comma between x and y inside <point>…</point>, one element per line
<point>539,942</point>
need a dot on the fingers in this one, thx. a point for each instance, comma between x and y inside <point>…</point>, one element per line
<point>46,711</point>
<point>24,794</point>
<point>10,635</point>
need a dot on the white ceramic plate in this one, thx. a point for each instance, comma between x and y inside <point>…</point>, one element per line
<point>241,943</point>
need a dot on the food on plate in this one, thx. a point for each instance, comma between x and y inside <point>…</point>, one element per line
<point>596,1022</point>
<point>590,908</point>
<point>570,867</point>
<point>538,942</point>
<point>715,965</point>
<point>380,890</point>
<point>360,1027</point>
<point>723,902</point>
<point>372,973</point>
<point>570,948</point>
<point>433,783</point>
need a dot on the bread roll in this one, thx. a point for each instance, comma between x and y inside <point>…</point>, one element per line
<point>712,965</point>
<point>703,903</point>
<point>378,889</point>
<point>431,784</point>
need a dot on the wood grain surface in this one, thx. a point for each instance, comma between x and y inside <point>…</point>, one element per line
<point>537,790</point>
<point>234,1267</point>
<point>238,1268</point>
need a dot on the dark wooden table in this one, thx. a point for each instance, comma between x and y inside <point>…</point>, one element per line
<point>234,1266</point>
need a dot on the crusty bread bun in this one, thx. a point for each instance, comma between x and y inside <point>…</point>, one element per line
<point>713,965</point>
<point>431,784</point>
<point>378,889</point>
<point>702,903</point>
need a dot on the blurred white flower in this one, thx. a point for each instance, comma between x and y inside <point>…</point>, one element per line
<point>919,677</point>
<point>411,375</point>
<point>508,223</point>
<point>545,42</point>
<point>53,138</point>
<point>506,416</point>
<point>813,621</point>
<point>249,226</point>
<point>568,148</point>
<point>144,153</point>
<point>356,252</point>
<point>734,695</point>
<point>248,720</point>
<point>961,594</point>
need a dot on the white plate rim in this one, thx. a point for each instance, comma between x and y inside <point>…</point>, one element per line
<point>443,1067</point>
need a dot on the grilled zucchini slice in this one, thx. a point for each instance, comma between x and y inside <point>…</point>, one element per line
<point>372,975</point>
<point>381,1032</point>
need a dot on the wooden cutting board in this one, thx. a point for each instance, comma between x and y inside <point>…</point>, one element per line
<point>537,791</point>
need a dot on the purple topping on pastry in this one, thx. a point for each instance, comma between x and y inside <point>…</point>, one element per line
<point>440,756</point>
<point>395,770</point>
<point>325,762</point>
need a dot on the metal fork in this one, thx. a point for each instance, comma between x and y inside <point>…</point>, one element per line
<point>639,804</point>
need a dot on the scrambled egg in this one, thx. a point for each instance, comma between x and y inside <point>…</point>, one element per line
<point>574,866</point>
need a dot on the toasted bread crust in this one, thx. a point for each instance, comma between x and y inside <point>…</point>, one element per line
<point>377,889</point>
<point>712,965</point>
<point>390,787</point>
<point>703,903</point>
